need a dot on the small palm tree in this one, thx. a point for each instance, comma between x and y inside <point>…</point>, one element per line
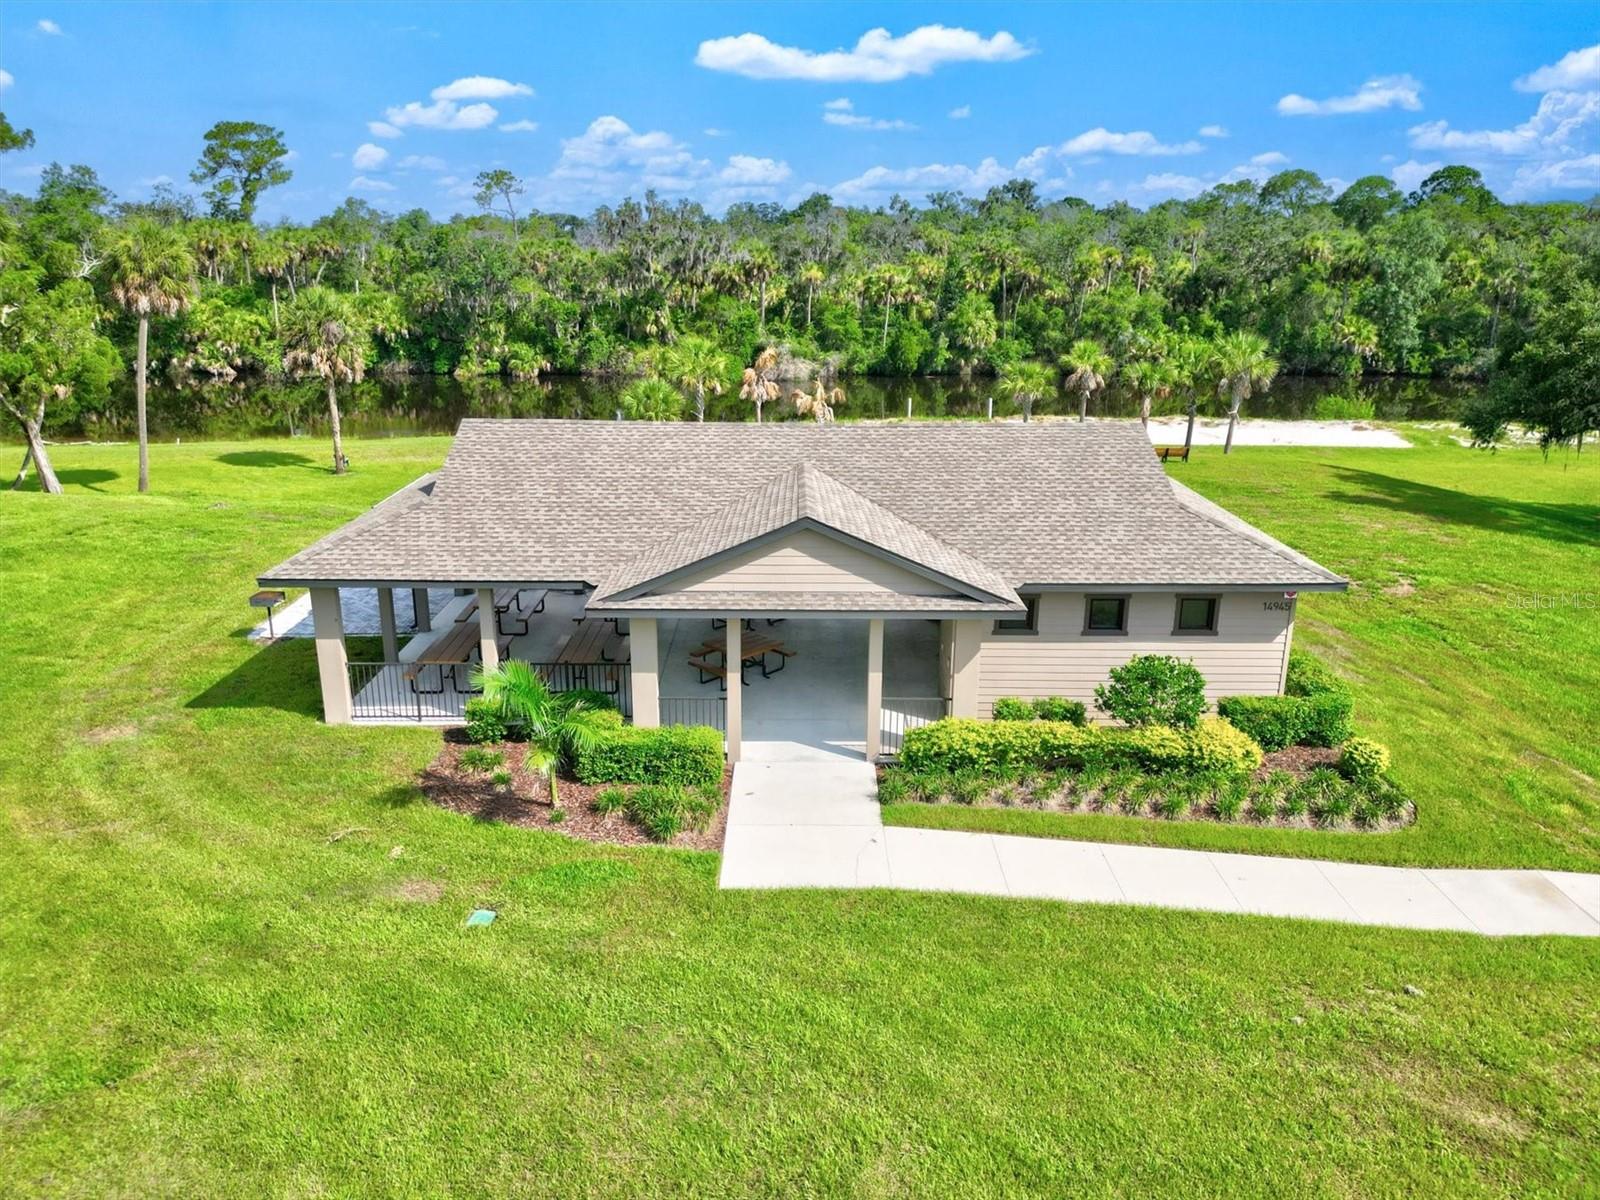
<point>818,405</point>
<point>151,270</point>
<point>1193,363</point>
<point>695,364</point>
<point>1150,381</point>
<point>758,385</point>
<point>555,724</point>
<point>1243,368</point>
<point>652,400</point>
<point>812,276</point>
<point>324,336</point>
<point>1025,383</point>
<point>1088,369</point>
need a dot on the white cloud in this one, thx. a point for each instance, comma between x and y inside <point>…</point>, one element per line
<point>714,132</point>
<point>1557,121</point>
<point>1576,69</point>
<point>368,157</point>
<point>1383,91</point>
<point>609,156</point>
<point>878,57</point>
<point>382,129</point>
<point>362,183</point>
<point>480,87</point>
<point>1140,142</point>
<point>1270,158</point>
<point>1168,183</point>
<point>1411,172</point>
<point>744,170</point>
<point>842,112</point>
<point>520,127</point>
<point>931,177</point>
<point>441,114</point>
<point>419,162</point>
<point>6,80</point>
<point>962,113</point>
<point>1582,172</point>
<point>48,26</point>
<point>1213,131</point>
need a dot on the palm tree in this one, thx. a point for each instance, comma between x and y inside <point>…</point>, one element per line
<point>1088,369</point>
<point>1024,383</point>
<point>695,364</point>
<point>555,724</point>
<point>1150,381</point>
<point>1243,367</point>
<point>818,405</point>
<point>324,336</point>
<point>811,275</point>
<point>151,270</point>
<point>1192,362</point>
<point>758,386</point>
<point>652,400</point>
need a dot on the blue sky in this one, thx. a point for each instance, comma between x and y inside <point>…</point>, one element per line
<point>402,104</point>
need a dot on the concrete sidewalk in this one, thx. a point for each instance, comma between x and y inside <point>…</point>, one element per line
<point>817,824</point>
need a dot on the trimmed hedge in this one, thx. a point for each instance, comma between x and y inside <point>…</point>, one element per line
<point>1308,675</point>
<point>1042,708</point>
<point>958,744</point>
<point>484,722</point>
<point>690,755</point>
<point>1315,709</point>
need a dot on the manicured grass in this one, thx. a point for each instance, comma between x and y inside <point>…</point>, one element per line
<point>206,989</point>
<point>1471,634</point>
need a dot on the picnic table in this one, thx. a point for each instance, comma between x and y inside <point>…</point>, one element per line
<point>592,653</point>
<point>508,601</point>
<point>450,651</point>
<point>753,652</point>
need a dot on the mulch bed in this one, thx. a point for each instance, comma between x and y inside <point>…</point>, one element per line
<point>1299,761</point>
<point>526,802</point>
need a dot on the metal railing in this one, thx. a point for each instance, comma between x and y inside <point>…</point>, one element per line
<point>901,713</point>
<point>434,692</point>
<point>695,710</point>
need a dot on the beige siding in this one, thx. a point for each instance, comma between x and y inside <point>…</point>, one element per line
<point>806,562</point>
<point>1246,656</point>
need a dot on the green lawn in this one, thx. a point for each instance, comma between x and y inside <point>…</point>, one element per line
<point>204,991</point>
<point>1490,703</point>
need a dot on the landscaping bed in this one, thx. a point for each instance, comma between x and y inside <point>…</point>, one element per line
<point>511,794</point>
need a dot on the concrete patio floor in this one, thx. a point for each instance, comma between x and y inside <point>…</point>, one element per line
<point>814,824</point>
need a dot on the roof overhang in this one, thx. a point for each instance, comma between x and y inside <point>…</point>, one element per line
<point>1208,586</point>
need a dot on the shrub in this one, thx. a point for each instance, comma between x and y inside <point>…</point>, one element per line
<point>477,758</point>
<point>688,755</point>
<point>1308,675</point>
<point>665,810</point>
<point>968,787</point>
<point>1274,721</point>
<point>1059,708</point>
<point>610,800</point>
<point>1386,798</point>
<point>1279,721</point>
<point>1229,798</point>
<point>1118,787</point>
<point>893,788</point>
<point>1212,746</point>
<point>961,743</point>
<point>1008,708</point>
<point>1328,720</point>
<point>1264,802</point>
<point>1153,689</point>
<point>1333,799</point>
<point>1363,760</point>
<point>501,778</point>
<point>484,722</point>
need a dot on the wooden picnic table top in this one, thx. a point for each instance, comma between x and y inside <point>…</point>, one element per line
<point>593,641</point>
<point>750,647</point>
<point>455,645</point>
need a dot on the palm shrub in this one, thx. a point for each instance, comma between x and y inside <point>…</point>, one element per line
<point>555,724</point>
<point>651,400</point>
<point>1153,689</point>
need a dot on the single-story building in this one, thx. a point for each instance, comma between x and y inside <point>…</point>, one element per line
<point>828,585</point>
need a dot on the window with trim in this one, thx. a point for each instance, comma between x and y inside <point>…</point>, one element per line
<point>1027,622</point>
<point>1196,615</point>
<point>1105,615</point>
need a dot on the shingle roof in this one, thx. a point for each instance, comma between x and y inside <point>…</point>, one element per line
<point>786,602</point>
<point>1042,503</point>
<point>802,493</point>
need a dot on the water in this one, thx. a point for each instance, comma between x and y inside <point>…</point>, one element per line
<point>406,405</point>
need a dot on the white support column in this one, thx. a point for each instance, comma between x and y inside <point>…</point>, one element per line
<point>646,655</point>
<point>391,640</point>
<point>874,688</point>
<point>965,648</point>
<point>488,648</point>
<point>734,660</point>
<point>332,665</point>
<point>421,614</point>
